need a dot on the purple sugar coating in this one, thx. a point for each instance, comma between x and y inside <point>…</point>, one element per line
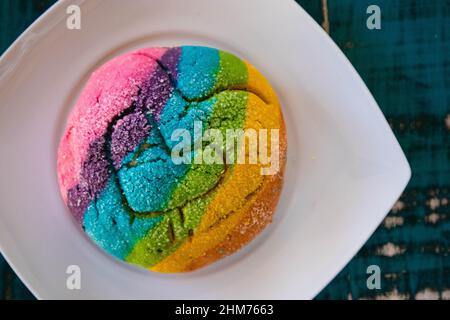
<point>127,134</point>
<point>154,93</point>
<point>170,61</point>
<point>93,178</point>
<point>78,198</point>
<point>95,170</point>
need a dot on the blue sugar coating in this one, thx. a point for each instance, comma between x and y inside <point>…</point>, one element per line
<point>174,109</point>
<point>153,154</point>
<point>179,114</point>
<point>147,186</point>
<point>197,71</point>
<point>109,224</point>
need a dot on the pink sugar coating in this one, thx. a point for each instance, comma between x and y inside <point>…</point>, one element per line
<point>110,89</point>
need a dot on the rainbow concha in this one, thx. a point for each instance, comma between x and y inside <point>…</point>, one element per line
<point>115,170</point>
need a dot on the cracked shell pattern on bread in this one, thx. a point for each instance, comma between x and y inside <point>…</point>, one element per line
<point>114,161</point>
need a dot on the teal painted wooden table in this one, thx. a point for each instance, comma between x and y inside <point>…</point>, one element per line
<point>406,66</point>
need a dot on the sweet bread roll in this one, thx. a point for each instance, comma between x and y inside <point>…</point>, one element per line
<point>173,157</point>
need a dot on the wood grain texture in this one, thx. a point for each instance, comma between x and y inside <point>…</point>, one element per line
<point>406,66</point>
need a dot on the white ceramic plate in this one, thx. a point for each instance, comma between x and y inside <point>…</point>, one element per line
<point>345,168</point>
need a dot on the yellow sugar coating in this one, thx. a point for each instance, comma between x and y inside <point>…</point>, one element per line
<point>259,85</point>
<point>233,197</point>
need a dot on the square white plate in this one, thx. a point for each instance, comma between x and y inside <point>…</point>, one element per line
<point>345,168</point>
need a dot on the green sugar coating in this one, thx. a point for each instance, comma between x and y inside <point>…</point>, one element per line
<point>177,225</point>
<point>230,111</point>
<point>232,72</point>
<point>198,180</point>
